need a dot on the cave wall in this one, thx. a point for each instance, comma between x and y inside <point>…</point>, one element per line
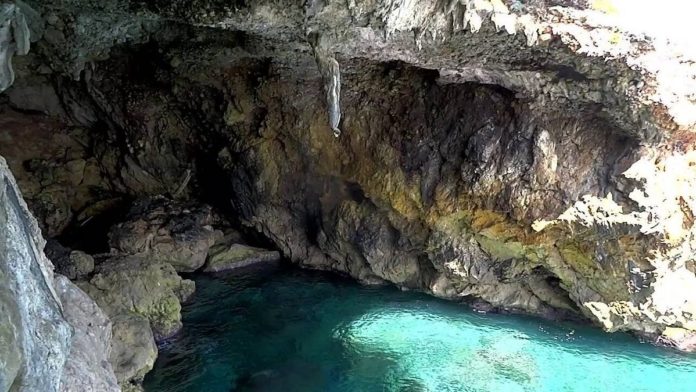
<point>54,337</point>
<point>531,158</point>
<point>36,337</point>
<point>434,186</point>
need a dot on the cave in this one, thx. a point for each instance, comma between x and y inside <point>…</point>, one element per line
<point>486,153</point>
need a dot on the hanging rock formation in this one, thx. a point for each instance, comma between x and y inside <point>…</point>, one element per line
<point>331,77</point>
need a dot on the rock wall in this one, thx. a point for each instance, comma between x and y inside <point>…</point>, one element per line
<point>38,337</point>
<point>46,341</point>
<point>525,157</point>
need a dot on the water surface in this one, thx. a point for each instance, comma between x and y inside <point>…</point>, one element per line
<point>288,330</point>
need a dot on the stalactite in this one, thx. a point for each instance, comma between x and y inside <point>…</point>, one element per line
<point>331,78</point>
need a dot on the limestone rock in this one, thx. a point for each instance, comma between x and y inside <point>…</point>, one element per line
<point>152,289</point>
<point>88,367</point>
<point>518,155</point>
<point>55,170</point>
<point>53,337</point>
<point>81,263</point>
<point>133,351</point>
<point>228,256</point>
<point>166,231</point>
<point>19,26</point>
<point>36,95</point>
<point>35,335</point>
<point>679,338</point>
<point>149,288</point>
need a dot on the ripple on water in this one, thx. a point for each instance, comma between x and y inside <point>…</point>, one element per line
<point>299,331</point>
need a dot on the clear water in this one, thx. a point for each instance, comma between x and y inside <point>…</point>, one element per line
<point>289,330</point>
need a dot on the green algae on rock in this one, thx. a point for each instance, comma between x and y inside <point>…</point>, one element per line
<point>225,256</point>
<point>123,284</point>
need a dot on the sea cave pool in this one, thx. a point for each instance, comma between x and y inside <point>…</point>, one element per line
<point>287,330</point>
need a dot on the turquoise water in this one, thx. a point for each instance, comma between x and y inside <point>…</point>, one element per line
<point>289,330</point>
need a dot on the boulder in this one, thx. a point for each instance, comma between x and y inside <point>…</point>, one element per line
<point>166,231</point>
<point>152,289</point>
<point>134,351</point>
<point>228,256</point>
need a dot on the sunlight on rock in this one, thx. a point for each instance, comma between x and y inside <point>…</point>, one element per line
<point>666,196</point>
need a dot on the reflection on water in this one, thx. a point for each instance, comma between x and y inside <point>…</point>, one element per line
<point>290,330</point>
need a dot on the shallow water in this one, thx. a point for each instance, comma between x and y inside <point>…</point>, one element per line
<point>289,330</point>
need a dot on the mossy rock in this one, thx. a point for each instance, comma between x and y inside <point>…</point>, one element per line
<point>148,288</point>
<point>225,257</point>
<point>133,348</point>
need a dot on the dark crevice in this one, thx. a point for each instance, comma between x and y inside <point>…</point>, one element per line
<point>91,236</point>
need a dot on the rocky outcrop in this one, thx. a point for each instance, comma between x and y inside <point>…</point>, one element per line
<point>134,350</point>
<point>143,299</point>
<point>19,26</point>
<point>49,329</point>
<point>36,334</point>
<point>531,157</point>
<point>165,231</point>
<point>227,255</point>
<point>59,175</point>
<point>131,284</point>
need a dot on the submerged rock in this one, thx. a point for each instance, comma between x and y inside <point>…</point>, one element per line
<point>166,231</point>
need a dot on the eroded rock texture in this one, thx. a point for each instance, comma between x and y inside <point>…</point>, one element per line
<point>88,367</point>
<point>50,331</point>
<point>146,287</point>
<point>167,232</point>
<point>529,156</point>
